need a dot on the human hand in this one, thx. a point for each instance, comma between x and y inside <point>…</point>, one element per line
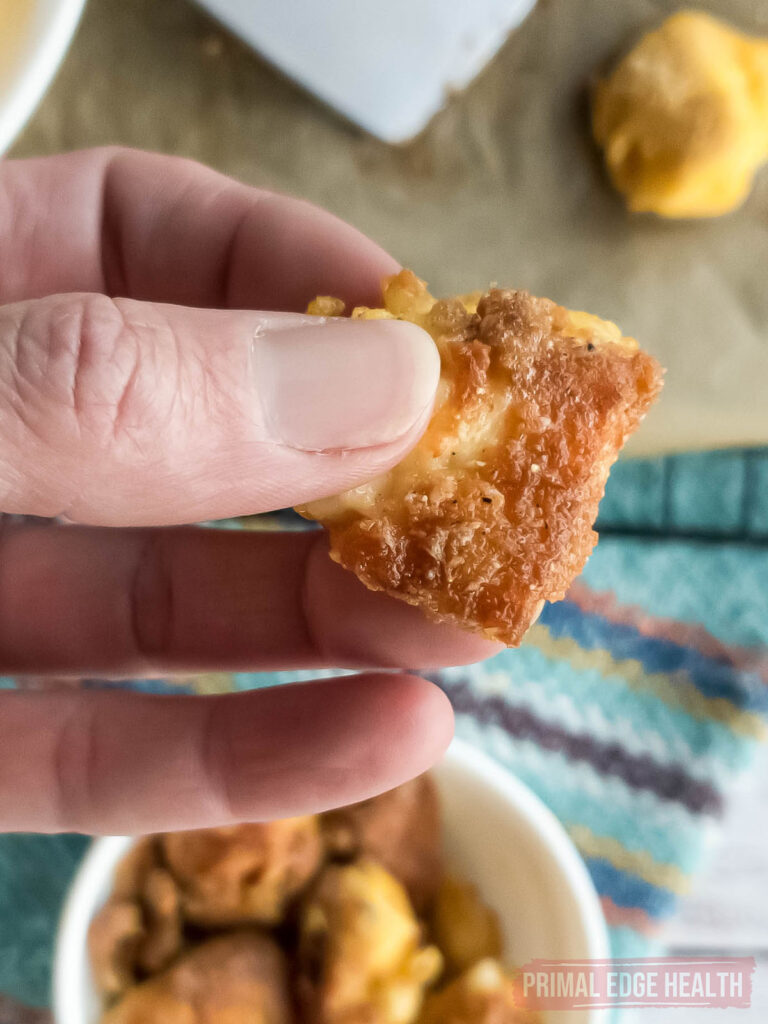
<point>169,405</point>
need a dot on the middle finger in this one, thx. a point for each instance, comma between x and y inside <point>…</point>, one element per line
<point>90,601</point>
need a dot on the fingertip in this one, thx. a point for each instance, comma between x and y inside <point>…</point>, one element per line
<point>313,746</point>
<point>331,384</point>
<point>464,648</point>
<point>426,720</point>
<point>412,720</point>
<point>421,360</point>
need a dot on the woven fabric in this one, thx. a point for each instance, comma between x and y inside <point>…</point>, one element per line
<point>631,708</point>
<point>632,723</point>
<point>715,495</point>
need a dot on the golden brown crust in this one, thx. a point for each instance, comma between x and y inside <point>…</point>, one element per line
<point>162,921</point>
<point>139,929</point>
<point>492,513</point>
<point>114,939</point>
<point>243,874</point>
<point>239,978</point>
<point>399,829</point>
<point>131,873</point>
<point>361,958</point>
<point>485,994</point>
<point>463,927</point>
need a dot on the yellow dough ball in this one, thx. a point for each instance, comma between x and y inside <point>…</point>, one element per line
<point>683,119</point>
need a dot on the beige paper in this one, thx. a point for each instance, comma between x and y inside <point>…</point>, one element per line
<point>505,185</point>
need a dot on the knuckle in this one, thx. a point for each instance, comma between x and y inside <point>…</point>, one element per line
<point>100,359</point>
<point>73,360</point>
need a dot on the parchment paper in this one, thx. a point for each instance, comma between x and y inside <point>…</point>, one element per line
<point>504,186</point>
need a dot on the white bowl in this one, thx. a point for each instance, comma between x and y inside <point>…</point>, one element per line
<point>497,833</point>
<point>34,36</point>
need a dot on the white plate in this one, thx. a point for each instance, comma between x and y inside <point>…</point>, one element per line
<point>34,36</point>
<point>497,833</point>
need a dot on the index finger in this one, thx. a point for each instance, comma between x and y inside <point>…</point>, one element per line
<point>166,229</point>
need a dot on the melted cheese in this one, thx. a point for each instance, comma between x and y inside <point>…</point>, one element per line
<point>683,120</point>
<point>452,446</point>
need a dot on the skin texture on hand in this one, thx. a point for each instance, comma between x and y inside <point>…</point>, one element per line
<point>139,391</point>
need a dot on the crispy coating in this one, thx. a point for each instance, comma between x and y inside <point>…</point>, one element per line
<point>132,871</point>
<point>244,873</point>
<point>491,514</point>
<point>354,949</point>
<point>464,927</point>
<point>162,921</point>
<point>139,929</point>
<point>361,958</point>
<point>399,829</point>
<point>683,119</point>
<point>239,978</point>
<point>482,995</point>
<point>114,937</point>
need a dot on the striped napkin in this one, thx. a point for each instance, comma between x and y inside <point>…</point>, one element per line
<point>631,708</point>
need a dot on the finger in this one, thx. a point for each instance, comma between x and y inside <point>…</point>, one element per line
<point>165,229</point>
<point>115,411</point>
<point>104,762</point>
<point>89,602</point>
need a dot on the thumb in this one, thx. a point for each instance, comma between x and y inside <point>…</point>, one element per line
<point>117,412</point>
